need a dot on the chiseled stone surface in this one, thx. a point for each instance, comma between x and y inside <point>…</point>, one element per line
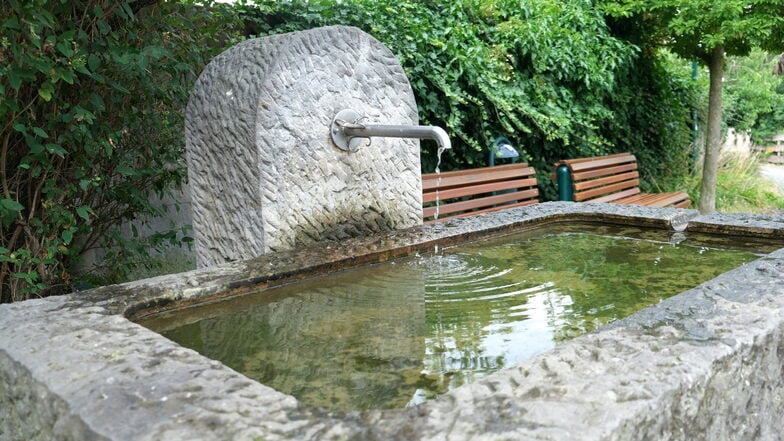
<point>761,225</point>
<point>703,365</point>
<point>264,173</point>
<point>125,382</point>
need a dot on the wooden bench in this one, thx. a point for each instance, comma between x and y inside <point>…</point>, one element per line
<point>772,154</point>
<point>480,190</point>
<point>615,179</point>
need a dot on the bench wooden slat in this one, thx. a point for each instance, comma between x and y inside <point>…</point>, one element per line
<point>612,197</point>
<point>447,179</point>
<point>607,180</point>
<point>481,175</point>
<point>601,162</point>
<point>489,201</point>
<point>597,192</point>
<point>487,210</point>
<point>657,199</point>
<point>591,159</point>
<point>614,178</point>
<point>638,198</point>
<point>594,173</point>
<point>473,191</point>
<point>457,192</point>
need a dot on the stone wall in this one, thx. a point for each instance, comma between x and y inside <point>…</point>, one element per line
<point>30,412</point>
<point>264,173</point>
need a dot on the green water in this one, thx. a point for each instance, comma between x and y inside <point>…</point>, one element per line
<point>394,335</point>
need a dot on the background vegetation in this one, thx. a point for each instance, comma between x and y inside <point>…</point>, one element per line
<point>92,95</point>
<point>707,31</point>
<point>91,98</point>
<point>740,187</point>
<point>754,95</point>
<point>551,76</point>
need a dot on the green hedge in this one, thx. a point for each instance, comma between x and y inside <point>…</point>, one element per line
<point>549,75</point>
<point>91,123</point>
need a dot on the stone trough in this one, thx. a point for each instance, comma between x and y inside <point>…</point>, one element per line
<point>703,365</point>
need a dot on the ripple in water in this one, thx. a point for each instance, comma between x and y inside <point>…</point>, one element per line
<point>396,334</point>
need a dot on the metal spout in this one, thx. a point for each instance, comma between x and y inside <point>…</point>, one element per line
<point>348,134</point>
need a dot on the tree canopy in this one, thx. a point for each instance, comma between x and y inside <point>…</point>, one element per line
<point>753,95</point>
<point>708,30</point>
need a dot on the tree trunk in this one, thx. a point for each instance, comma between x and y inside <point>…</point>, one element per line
<point>713,143</point>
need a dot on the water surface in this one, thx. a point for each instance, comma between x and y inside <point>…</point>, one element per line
<point>396,334</point>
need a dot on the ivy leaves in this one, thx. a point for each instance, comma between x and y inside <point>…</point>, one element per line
<point>536,71</point>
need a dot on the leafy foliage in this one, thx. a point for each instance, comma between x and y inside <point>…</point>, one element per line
<point>91,93</point>
<point>771,123</point>
<point>652,116</point>
<point>695,28</point>
<point>538,72</point>
<point>751,91</point>
<point>707,30</point>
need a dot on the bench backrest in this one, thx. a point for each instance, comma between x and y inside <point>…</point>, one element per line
<point>775,152</point>
<point>604,178</point>
<point>479,190</point>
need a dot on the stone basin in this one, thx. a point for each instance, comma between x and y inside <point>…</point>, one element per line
<point>705,364</point>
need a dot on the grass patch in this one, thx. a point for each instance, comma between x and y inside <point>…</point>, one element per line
<point>740,187</point>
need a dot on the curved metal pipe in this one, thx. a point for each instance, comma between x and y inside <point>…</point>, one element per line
<point>419,132</point>
<point>346,130</point>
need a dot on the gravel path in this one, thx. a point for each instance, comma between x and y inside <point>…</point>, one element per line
<point>775,173</point>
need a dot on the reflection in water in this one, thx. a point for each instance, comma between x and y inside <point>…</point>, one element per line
<point>392,335</point>
<point>344,343</point>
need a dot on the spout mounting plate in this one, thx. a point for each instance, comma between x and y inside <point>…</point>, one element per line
<point>346,118</point>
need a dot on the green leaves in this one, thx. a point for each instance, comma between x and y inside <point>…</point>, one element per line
<point>709,31</point>
<point>46,92</point>
<point>67,236</point>
<point>10,205</point>
<point>84,212</point>
<point>536,71</point>
<point>91,116</point>
<point>9,209</point>
<point>752,98</point>
<point>695,27</point>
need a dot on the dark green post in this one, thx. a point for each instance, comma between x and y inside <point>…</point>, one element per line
<point>564,180</point>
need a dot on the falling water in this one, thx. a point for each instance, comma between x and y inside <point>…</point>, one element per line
<point>438,182</point>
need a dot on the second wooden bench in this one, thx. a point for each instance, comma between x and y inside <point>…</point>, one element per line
<point>612,178</point>
<point>773,154</point>
<point>480,190</point>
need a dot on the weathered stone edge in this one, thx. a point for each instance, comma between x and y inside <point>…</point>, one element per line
<point>509,408</point>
